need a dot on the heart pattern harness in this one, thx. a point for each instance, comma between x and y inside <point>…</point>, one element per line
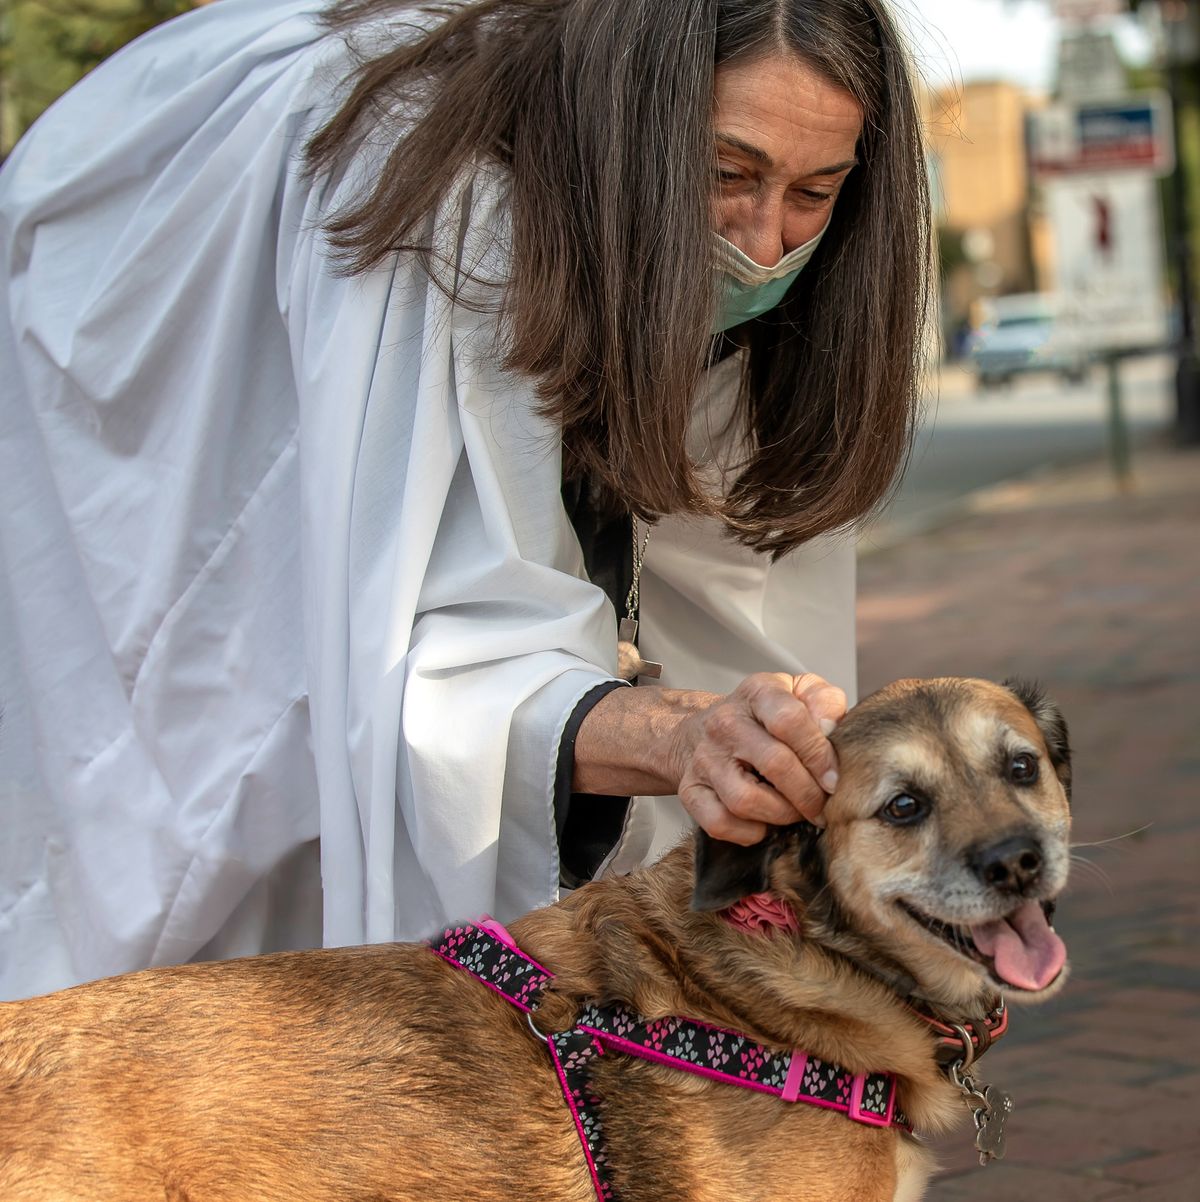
<point>487,951</point>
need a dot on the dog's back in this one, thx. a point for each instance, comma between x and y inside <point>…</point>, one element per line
<point>375,1075</point>
<point>338,1074</point>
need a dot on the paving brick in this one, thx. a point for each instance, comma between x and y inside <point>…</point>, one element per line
<point>1181,1087</point>
<point>1172,1192</point>
<point>1111,1035</point>
<point>1097,596</point>
<point>1175,1191</point>
<point>1007,1183</point>
<point>1158,1169</point>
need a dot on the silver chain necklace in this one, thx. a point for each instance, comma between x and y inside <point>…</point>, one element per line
<point>630,664</point>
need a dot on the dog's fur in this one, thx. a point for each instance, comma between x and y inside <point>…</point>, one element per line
<point>382,1074</point>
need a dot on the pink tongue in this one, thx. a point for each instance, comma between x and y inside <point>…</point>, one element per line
<point>1027,953</point>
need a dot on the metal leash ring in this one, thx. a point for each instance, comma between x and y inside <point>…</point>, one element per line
<point>968,1045</point>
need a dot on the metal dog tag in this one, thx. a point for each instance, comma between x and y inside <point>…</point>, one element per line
<point>990,1107</point>
<point>990,1118</point>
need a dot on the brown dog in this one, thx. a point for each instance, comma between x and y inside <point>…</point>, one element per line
<point>383,1074</point>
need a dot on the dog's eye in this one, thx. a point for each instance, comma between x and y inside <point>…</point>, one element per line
<point>1023,769</point>
<point>904,810</point>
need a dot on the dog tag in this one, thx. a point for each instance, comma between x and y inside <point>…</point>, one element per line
<point>989,1121</point>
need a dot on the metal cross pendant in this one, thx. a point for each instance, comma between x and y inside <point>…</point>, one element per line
<point>630,664</point>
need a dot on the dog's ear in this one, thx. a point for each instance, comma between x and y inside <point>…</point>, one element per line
<point>727,872</point>
<point>1050,722</point>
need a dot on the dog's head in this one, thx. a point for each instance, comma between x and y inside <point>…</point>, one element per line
<point>944,847</point>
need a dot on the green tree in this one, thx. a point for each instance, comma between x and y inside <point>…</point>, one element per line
<point>48,45</point>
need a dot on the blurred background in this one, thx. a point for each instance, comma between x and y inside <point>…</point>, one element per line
<point>1048,525</point>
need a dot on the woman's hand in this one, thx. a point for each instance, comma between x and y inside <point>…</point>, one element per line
<point>760,755</point>
<point>757,756</point>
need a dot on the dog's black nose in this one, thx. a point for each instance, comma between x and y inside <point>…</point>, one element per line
<point>1013,865</point>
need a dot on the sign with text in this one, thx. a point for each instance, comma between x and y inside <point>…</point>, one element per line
<point>1108,259</point>
<point>1132,134</point>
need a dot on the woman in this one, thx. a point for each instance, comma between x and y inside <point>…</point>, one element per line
<point>344,349</point>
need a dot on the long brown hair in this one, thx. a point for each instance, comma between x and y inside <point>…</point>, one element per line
<point>601,111</point>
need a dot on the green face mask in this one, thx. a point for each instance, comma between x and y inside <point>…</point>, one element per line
<point>746,288</point>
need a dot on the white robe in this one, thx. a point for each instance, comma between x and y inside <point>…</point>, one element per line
<point>283,560</point>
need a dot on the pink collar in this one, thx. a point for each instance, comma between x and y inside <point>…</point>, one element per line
<point>761,914</point>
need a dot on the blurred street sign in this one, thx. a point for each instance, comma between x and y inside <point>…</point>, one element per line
<point>1089,66</point>
<point>1108,259</point>
<point>1087,10</point>
<point>1132,134</point>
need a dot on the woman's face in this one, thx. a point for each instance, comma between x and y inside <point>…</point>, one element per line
<point>785,144</point>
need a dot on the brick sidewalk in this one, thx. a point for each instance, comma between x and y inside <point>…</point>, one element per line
<point>1097,595</point>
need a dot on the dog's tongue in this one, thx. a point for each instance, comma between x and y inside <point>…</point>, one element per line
<point>1026,952</point>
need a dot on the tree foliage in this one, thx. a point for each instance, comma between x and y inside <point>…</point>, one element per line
<point>47,45</point>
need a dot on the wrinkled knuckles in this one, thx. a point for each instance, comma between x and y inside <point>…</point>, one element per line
<point>744,799</point>
<point>722,724</point>
<point>721,824</point>
<point>709,762</point>
<point>785,718</point>
<point>779,765</point>
<point>765,683</point>
<point>823,699</point>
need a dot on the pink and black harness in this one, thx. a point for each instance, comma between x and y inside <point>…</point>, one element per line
<point>487,951</point>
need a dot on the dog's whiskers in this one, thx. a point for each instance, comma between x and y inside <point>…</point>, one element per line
<point>1094,869</point>
<point>965,944</point>
<point>1115,838</point>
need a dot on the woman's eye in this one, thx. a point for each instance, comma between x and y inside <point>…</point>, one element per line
<point>730,177</point>
<point>904,810</point>
<point>811,198</point>
<point>1023,769</point>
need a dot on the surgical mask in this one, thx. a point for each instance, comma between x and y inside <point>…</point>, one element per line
<point>746,288</point>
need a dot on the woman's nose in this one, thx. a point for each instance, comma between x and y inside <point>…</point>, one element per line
<point>762,238</point>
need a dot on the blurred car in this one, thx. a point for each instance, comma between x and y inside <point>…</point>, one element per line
<point>1025,332</point>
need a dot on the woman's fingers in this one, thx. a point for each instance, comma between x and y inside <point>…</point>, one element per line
<point>712,815</point>
<point>750,795</point>
<point>825,701</point>
<point>790,722</point>
<point>761,756</point>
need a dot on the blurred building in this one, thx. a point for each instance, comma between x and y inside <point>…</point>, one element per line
<point>991,242</point>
